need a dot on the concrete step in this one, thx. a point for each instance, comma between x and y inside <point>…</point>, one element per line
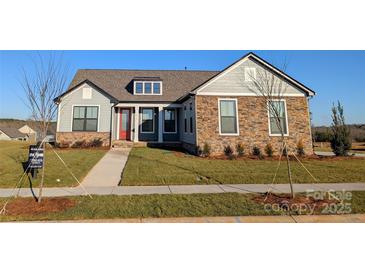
<point>122,144</point>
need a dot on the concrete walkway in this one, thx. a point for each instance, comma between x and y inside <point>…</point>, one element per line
<point>348,218</point>
<point>183,189</point>
<point>107,172</point>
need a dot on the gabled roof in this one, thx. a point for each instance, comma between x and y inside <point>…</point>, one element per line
<point>272,68</point>
<point>119,83</point>
<point>12,132</point>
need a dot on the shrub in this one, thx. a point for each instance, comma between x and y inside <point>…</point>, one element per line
<point>340,139</point>
<point>199,151</point>
<point>228,151</point>
<point>240,149</point>
<point>256,151</point>
<point>206,150</point>
<point>97,142</point>
<point>269,150</point>
<point>300,148</point>
<point>78,144</point>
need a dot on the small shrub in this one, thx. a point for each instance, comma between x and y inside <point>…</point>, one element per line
<point>269,150</point>
<point>256,151</point>
<point>228,151</point>
<point>240,149</point>
<point>206,149</point>
<point>199,151</point>
<point>97,142</point>
<point>78,144</point>
<point>300,148</point>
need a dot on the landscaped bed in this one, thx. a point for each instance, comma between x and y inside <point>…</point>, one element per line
<point>14,154</point>
<point>144,206</point>
<point>152,166</point>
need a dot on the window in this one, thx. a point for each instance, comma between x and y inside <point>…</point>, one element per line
<point>170,121</point>
<point>85,118</point>
<point>148,87</point>
<point>278,118</point>
<point>185,121</point>
<point>139,88</point>
<point>156,88</point>
<point>147,120</point>
<point>250,74</point>
<point>228,116</point>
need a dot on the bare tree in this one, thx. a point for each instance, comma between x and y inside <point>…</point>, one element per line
<point>271,89</point>
<point>44,82</point>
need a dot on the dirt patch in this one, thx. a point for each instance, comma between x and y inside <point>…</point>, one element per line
<point>28,206</point>
<point>300,203</point>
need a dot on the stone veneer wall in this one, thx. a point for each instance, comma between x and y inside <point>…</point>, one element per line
<point>71,137</point>
<point>253,124</point>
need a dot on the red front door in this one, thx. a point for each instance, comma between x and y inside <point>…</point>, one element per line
<point>125,124</point>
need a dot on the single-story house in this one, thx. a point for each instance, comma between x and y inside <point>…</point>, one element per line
<point>10,133</point>
<point>181,106</point>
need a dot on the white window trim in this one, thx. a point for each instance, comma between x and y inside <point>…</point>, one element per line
<point>153,120</point>
<point>219,117</point>
<point>143,88</point>
<point>84,105</point>
<point>286,118</point>
<point>164,132</point>
<point>249,78</point>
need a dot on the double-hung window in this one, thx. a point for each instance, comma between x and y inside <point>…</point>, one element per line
<point>170,121</point>
<point>147,120</point>
<point>277,118</point>
<point>228,117</point>
<point>85,118</point>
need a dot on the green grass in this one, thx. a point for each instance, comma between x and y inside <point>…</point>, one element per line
<point>177,205</point>
<point>148,166</point>
<point>13,153</point>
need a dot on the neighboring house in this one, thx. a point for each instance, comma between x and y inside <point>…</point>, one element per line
<point>9,133</point>
<point>186,107</point>
<point>32,134</point>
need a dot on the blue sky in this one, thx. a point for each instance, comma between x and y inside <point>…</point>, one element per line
<point>334,75</point>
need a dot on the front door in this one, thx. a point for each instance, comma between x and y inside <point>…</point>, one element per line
<point>125,124</point>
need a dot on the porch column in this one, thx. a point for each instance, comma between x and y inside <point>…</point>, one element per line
<point>160,124</point>
<point>136,124</point>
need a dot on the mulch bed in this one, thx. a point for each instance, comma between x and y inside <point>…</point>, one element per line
<point>29,206</point>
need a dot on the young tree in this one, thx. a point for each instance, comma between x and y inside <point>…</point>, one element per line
<point>41,84</point>
<point>270,89</point>
<point>340,138</point>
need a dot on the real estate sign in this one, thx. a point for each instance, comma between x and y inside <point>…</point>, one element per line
<point>35,158</point>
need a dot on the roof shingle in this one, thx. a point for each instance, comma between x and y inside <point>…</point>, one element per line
<point>119,83</point>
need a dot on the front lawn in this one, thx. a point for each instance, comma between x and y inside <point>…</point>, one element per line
<point>14,153</point>
<point>152,166</point>
<point>168,205</point>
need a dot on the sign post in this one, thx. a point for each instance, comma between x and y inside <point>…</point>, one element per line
<point>35,159</point>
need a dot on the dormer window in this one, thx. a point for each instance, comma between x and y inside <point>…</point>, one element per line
<point>143,87</point>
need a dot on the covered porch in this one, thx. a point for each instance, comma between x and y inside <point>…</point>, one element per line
<point>147,122</point>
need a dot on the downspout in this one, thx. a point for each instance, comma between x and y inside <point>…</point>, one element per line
<point>309,121</point>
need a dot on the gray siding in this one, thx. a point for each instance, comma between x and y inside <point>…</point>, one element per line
<point>234,82</point>
<point>75,98</point>
<point>187,137</point>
